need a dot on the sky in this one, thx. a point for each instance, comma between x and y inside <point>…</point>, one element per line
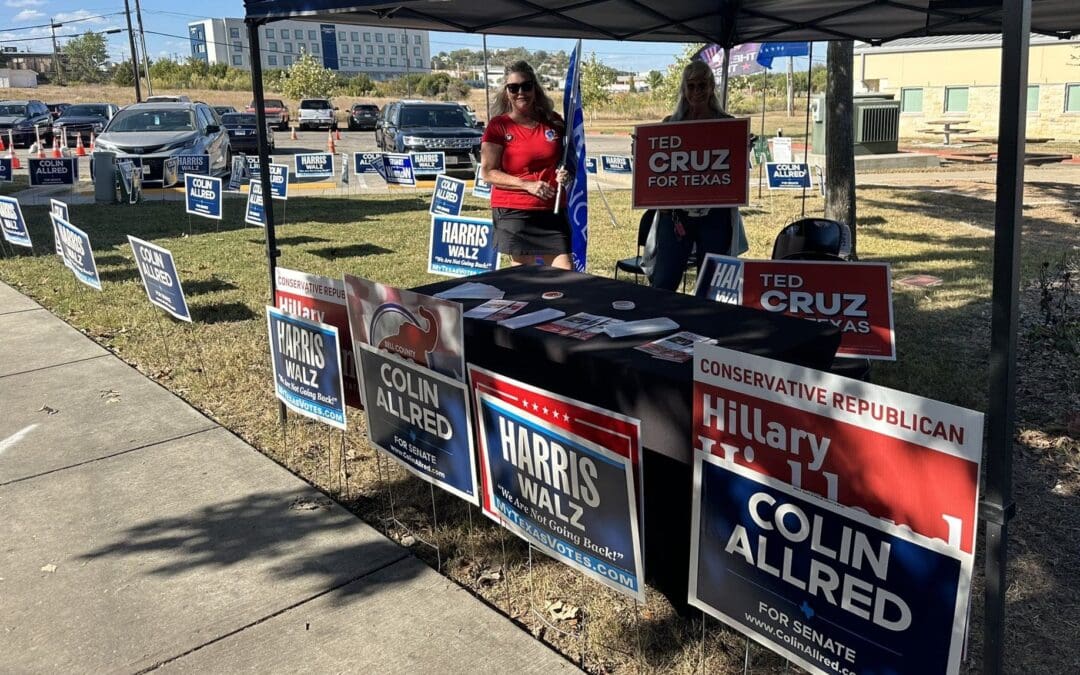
<point>26,25</point>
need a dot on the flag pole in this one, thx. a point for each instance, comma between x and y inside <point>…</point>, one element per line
<point>569,122</point>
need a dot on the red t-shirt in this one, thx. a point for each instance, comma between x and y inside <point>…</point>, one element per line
<point>528,154</point>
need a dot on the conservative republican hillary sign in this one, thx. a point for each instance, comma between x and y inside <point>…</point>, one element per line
<point>691,165</point>
<point>563,475</point>
<point>854,297</point>
<point>321,299</point>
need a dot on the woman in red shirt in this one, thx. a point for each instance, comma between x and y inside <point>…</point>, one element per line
<point>521,148</point>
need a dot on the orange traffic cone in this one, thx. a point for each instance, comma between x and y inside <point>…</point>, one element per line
<point>2,148</point>
<point>330,142</point>
<point>337,134</point>
<point>15,164</point>
<point>80,150</point>
<point>91,141</point>
<point>292,134</point>
<point>56,154</point>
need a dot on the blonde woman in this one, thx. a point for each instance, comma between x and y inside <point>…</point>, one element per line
<point>519,156</point>
<point>676,234</point>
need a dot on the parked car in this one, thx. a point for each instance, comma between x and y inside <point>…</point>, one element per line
<point>243,132</point>
<point>25,119</point>
<point>57,109</point>
<point>362,116</point>
<point>223,109</point>
<point>153,132</point>
<point>167,98</point>
<point>424,126</point>
<point>317,113</point>
<point>277,113</point>
<point>82,119</point>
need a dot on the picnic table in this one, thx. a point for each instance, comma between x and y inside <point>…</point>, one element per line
<point>948,128</point>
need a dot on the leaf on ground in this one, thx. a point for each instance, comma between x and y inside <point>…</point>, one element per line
<point>308,504</point>
<point>47,410</point>
<point>50,568</point>
<point>562,611</point>
<point>489,577</point>
<point>110,395</point>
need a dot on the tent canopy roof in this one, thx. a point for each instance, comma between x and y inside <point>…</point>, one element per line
<point>725,22</point>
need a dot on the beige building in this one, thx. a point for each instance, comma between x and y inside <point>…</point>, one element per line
<point>957,78</point>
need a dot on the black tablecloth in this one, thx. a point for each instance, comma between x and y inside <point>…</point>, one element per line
<point>612,374</point>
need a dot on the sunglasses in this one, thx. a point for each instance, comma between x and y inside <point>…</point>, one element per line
<point>515,87</point>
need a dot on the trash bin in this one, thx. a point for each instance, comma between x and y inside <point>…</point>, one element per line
<point>103,173</point>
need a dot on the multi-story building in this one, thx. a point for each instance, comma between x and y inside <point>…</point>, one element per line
<point>957,77</point>
<point>380,52</point>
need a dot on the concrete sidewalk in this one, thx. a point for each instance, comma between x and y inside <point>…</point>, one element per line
<point>138,535</point>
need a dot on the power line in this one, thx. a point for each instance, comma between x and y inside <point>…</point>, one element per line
<point>50,25</point>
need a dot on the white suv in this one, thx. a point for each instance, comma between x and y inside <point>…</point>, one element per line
<point>317,113</point>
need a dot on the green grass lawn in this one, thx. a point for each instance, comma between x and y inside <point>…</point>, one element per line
<point>220,363</point>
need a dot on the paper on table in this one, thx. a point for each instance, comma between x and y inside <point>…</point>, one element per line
<point>495,310</point>
<point>532,318</point>
<point>471,290</point>
<point>642,327</point>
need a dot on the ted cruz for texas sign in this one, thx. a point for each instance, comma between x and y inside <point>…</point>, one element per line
<point>691,165</point>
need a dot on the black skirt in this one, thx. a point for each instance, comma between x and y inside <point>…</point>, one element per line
<point>528,232</point>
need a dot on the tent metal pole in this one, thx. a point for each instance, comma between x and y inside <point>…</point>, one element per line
<point>487,86</point>
<point>724,78</point>
<point>272,251</point>
<point>998,507</point>
<point>806,128</point>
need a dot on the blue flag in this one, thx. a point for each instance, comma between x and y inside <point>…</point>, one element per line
<point>771,50</point>
<point>578,195</point>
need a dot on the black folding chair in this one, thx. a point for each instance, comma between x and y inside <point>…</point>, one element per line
<point>633,265</point>
<point>821,239</point>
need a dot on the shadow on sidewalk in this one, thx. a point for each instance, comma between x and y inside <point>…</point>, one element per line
<point>282,536</point>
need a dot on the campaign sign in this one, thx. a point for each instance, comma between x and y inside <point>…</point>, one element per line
<point>158,271</point>
<point>421,419</point>
<point>202,195</point>
<point>788,176</point>
<point>366,162</point>
<point>828,587</point>
<point>59,209</point>
<point>307,370</point>
<point>481,188</point>
<point>252,166</point>
<point>781,149</point>
<point>7,173</point>
<point>854,297</point>
<point>279,181</point>
<point>320,299</point>
<point>13,223</point>
<point>448,195</point>
<point>561,474</point>
<point>54,171</point>
<point>397,169</point>
<point>255,213</point>
<point>78,256</point>
<point>615,164</point>
<point>691,165</point>
<point>893,455</point>
<point>590,164</point>
<point>197,164</point>
<point>314,165</point>
<point>428,163</point>
<point>462,246</point>
<point>424,329</point>
<point>237,172</point>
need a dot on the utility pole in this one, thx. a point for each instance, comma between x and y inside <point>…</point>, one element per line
<point>55,56</point>
<point>134,54</point>
<point>145,56</point>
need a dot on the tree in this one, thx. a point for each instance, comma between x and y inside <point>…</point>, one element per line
<point>85,57</point>
<point>595,79</point>
<point>669,87</point>
<point>633,86</point>
<point>307,78</point>
<point>655,80</point>
<point>840,143</point>
<point>123,76</point>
